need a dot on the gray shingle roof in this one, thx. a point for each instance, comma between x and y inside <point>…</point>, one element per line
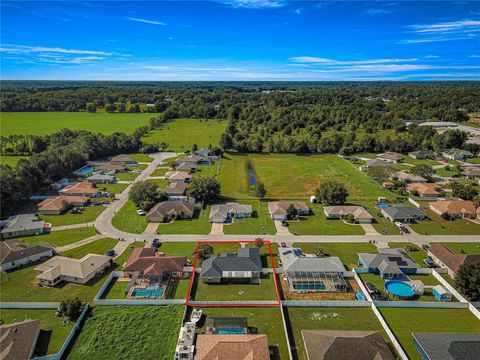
<point>18,340</point>
<point>12,250</point>
<point>402,212</point>
<point>449,346</point>
<point>378,163</point>
<point>246,259</point>
<point>23,222</point>
<point>294,260</point>
<point>395,257</point>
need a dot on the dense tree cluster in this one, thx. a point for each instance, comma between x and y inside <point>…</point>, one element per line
<point>145,195</point>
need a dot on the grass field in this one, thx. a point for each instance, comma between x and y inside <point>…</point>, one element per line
<point>97,247</point>
<point>128,220</point>
<point>405,321</point>
<point>347,252</point>
<point>128,176</point>
<point>462,248</point>
<point>266,320</point>
<point>115,290</point>
<point>318,224</point>
<point>53,332</point>
<point>60,238</point>
<point>293,176</point>
<point>435,225</point>
<point>41,123</point>
<point>160,182</point>
<point>187,249</point>
<point>129,332</point>
<point>88,215</point>
<point>259,223</point>
<point>200,224</point>
<point>141,157</point>
<point>324,318</point>
<point>113,188</point>
<point>417,255</point>
<point>11,160</point>
<point>181,134</point>
<point>159,172</point>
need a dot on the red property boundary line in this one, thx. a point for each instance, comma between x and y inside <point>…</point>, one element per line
<point>192,278</point>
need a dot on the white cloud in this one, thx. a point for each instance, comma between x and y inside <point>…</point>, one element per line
<point>145,21</point>
<point>432,57</point>
<point>475,56</point>
<point>298,11</point>
<point>436,39</point>
<point>254,4</point>
<point>26,49</point>
<point>326,61</point>
<point>376,12</point>
<point>446,27</point>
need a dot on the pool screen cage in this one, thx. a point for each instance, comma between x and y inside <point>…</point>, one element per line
<point>316,281</point>
<point>140,280</point>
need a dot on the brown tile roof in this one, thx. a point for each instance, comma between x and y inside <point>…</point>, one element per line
<point>424,189</point>
<point>232,347</point>
<point>471,171</point>
<point>17,340</point>
<point>358,212</point>
<point>280,207</point>
<point>60,202</point>
<point>175,188</point>
<point>452,260</point>
<point>166,208</point>
<point>12,250</point>
<point>390,156</point>
<point>177,175</point>
<point>148,261</point>
<point>345,345</point>
<point>454,207</point>
<point>79,268</point>
<point>111,166</point>
<point>122,158</point>
<point>83,187</point>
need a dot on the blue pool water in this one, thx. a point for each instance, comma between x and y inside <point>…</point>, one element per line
<point>316,286</point>
<point>86,169</point>
<point>400,289</point>
<point>382,205</point>
<point>230,331</point>
<point>149,291</point>
<point>251,177</point>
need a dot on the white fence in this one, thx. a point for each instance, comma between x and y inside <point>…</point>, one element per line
<point>285,330</point>
<point>320,303</point>
<point>139,302</point>
<point>238,303</point>
<point>421,304</point>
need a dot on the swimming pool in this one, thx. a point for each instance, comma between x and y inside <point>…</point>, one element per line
<point>155,291</point>
<point>382,205</point>
<point>230,331</point>
<point>400,289</point>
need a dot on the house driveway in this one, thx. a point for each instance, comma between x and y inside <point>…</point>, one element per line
<point>151,228</point>
<point>281,230</point>
<point>217,229</point>
<point>369,229</point>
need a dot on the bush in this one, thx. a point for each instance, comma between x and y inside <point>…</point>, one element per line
<point>350,218</point>
<point>204,188</point>
<point>468,280</point>
<point>332,192</point>
<point>70,308</point>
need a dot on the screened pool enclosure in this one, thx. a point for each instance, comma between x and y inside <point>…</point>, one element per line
<point>313,281</point>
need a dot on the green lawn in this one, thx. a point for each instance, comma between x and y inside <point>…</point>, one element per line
<point>88,215</point>
<point>418,254</point>
<point>128,176</point>
<point>21,284</point>
<point>159,172</point>
<point>41,123</point>
<point>181,134</point>
<point>160,182</point>
<point>60,238</point>
<point>410,160</point>
<point>231,292</point>
<point>318,224</point>
<point>446,173</point>
<point>141,157</point>
<point>462,248</point>
<point>116,289</point>
<point>11,160</point>
<point>141,166</point>
<point>200,224</point>
<point>266,320</point>
<point>100,247</point>
<point>128,220</point>
<point>259,223</point>
<point>347,252</point>
<point>113,188</point>
<point>187,249</point>
<point>178,288</point>
<point>324,318</point>
<point>53,332</point>
<point>475,160</point>
<point>208,170</point>
<point>291,176</point>
<point>435,225</point>
<point>405,321</point>
<point>381,224</point>
<point>129,332</point>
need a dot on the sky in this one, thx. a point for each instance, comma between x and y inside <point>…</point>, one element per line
<point>240,40</point>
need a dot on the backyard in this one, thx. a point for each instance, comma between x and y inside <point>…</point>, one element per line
<point>60,238</point>
<point>129,332</point>
<point>324,318</point>
<point>259,223</point>
<point>88,215</point>
<point>405,321</point>
<point>261,320</point>
<point>200,224</point>
<point>53,332</point>
<point>127,219</point>
<point>181,134</point>
<point>435,225</point>
<point>42,123</point>
<point>100,247</point>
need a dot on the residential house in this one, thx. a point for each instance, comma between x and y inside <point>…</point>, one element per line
<point>244,266</point>
<point>445,258</point>
<point>166,211</point>
<point>123,160</point>
<point>79,271</point>
<point>447,346</point>
<point>345,344</point>
<point>203,152</point>
<point>23,225</point>
<point>14,254</point>
<point>178,176</point>
<point>186,166</point>
<point>372,163</point>
<point>232,347</point>
<point>464,209</point>
<point>403,213</point>
<point>389,263</point>
<point>101,178</point>
<point>310,273</point>
<point>471,172</point>
<point>359,213</point>
<point>18,339</point>
<point>422,154</point>
<point>390,156</point>
<point>175,189</point>
<point>457,154</point>
<point>227,212</point>
<point>426,190</point>
<point>114,167</point>
<point>407,177</point>
<point>83,188</point>
<point>278,209</point>
<point>149,262</point>
<point>196,159</point>
<point>60,204</point>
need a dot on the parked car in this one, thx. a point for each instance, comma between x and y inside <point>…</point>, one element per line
<point>425,247</point>
<point>405,230</point>
<point>284,245</point>
<point>284,223</point>
<point>371,288</point>
<point>140,212</point>
<point>398,223</point>
<point>429,262</point>
<point>155,243</point>
<point>110,252</point>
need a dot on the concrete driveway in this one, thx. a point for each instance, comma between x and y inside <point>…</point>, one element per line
<point>281,230</point>
<point>217,229</point>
